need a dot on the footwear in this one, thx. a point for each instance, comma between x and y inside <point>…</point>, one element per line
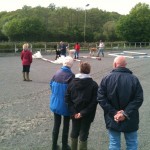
<point>23,73</point>
<point>82,145</point>
<point>55,147</point>
<point>66,147</point>
<point>28,79</point>
<point>74,144</point>
<point>54,141</point>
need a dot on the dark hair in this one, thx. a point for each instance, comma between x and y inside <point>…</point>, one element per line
<point>85,67</point>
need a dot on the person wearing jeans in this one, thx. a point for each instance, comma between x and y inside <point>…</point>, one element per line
<point>101,48</point>
<point>120,95</point>
<point>77,50</point>
<point>115,140</point>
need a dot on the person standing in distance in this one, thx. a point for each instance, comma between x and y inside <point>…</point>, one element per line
<point>120,95</point>
<point>77,50</point>
<point>81,97</point>
<point>62,48</point>
<point>26,57</point>
<point>58,86</point>
<point>101,48</point>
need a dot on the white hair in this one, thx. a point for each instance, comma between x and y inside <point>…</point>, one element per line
<point>68,61</point>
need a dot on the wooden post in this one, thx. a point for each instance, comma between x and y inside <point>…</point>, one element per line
<point>45,47</point>
<point>31,48</point>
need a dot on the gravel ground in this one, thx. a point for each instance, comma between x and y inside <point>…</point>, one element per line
<point>25,120</point>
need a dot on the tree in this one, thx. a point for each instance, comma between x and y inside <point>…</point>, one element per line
<point>135,27</point>
<point>26,29</point>
<point>109,31</point>
<point>52,6</point>
<point>64,23</point>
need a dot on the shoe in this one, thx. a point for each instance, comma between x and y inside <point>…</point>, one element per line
<point>29,80</point>
<point>66,147</point>
<point>56,147</point>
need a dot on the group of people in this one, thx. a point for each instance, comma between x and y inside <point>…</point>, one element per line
<point>75,97</point>
<point>62,49</point>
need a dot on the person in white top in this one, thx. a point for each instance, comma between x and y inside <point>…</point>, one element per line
<point>101,48</point>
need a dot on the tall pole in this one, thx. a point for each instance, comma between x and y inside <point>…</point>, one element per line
<point>85,22</point>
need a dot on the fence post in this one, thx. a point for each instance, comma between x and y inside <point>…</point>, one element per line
<point>124,45</point>
<point>45,47</point>
<point>16,49</point>
<point>31,47</point>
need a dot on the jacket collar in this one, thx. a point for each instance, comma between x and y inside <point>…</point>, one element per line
<point>65,68</point>
<point>122,69</point>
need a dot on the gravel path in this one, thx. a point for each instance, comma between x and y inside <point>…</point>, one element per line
<point>25,120</point>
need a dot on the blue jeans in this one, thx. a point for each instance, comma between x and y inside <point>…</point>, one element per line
<point>115,140</point>
<point>101,50</point>
<point>76,55</point>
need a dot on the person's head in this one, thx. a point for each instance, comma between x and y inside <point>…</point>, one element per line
<point>68,61</point>
<point>119,61</point>
<point>85,67</point>
<point>61,42</point>
<point>25,46</point>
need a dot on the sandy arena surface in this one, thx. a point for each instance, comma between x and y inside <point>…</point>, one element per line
<point>25,119</point>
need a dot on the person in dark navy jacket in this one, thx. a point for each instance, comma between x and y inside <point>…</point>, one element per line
<point>63,48</point>
<point>58,86</point>
<point>120,95</point>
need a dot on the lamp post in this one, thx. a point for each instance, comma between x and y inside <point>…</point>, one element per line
<point>85,21</point>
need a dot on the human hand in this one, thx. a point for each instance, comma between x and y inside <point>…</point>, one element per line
<point>77,116</point>
<point>119,116</point>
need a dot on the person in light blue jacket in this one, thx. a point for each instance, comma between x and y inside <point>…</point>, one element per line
<point>58,86</point>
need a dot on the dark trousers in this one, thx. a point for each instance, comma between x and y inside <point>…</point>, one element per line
<point>26,68</point>
<point>80,128</point>
<point>57,123</point>
<point>58,54</point>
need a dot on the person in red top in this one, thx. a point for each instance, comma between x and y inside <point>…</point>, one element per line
<point>26,57</point>
<point>77,50</point>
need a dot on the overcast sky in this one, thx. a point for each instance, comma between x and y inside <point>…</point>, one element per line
<point>120,6</point>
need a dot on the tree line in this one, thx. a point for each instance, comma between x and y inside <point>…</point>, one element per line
<point>53,23</point>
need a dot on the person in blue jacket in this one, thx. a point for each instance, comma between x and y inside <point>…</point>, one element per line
<point>120,95</point>
<point>58,86</point>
